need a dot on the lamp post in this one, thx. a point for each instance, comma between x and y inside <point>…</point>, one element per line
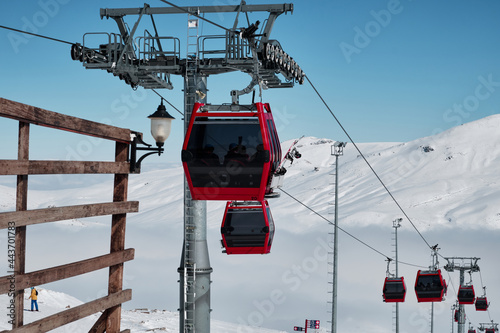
<point>161,124</point>
<point>337,150</point>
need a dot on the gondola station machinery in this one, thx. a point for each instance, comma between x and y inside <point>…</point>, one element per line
<point>239,165</point>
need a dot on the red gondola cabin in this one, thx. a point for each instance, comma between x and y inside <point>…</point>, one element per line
<point>430,286</point>
<point>457,316</point>
<point>247,228</point>
<point>231,152</point>
<point>481,303</point>
<point>466,295</point>
<point>394,290</point>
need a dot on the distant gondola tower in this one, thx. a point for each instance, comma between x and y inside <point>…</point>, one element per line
<point>337,150</point>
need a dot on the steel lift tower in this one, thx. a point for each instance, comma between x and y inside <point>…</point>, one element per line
<point>461,264</point>
<point>149,60</point>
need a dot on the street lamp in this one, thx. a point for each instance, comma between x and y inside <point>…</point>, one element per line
<point>338,148</point>
<point>161,124</point>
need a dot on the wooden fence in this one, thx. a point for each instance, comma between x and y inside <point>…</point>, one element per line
<point>17,221</point>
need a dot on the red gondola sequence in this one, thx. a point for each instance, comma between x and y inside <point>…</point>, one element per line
<point>430,286</point>
<point>466,295</point>
<point>231,152</point>
<point>394,290</point>
<point>247,228</point>
<point>481,303</point>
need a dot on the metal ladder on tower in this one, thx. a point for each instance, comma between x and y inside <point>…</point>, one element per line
<point>189,266</point>
<point>189,225</point>
<point>192,45</point>
<point>330,256</point>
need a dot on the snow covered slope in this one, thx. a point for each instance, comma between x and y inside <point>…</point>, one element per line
<point>137,320</point>
<point>448,184</point>
<point>442,181</point>
<point>49,303</point>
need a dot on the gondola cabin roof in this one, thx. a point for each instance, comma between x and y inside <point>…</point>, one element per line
<point>231,152</point>
<point>247,228</point>
<point>394,290</point>
<point>466,295</point>
<point>430,286</point>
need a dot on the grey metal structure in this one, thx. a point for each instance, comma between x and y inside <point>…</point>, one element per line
<point>337,150</point>
<point>396,224</point>
<point>149,60</point>
<point>435,267</point>
<point>461,264</point>
<point>491,326</point>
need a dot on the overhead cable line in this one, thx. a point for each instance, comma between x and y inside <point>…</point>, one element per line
<point>346,232</point>
<point>36,35</point>
<point>484,292</point>
<point>62,41</point>
<point>368,163</point>
<point>163,98</point>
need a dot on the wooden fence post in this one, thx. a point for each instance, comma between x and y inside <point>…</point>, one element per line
<point>117,239</point>
<point>21,205</point>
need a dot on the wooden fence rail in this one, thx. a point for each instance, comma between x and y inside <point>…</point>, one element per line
<point>57,273</point>
<point>36,216</point>
<point>19,220</point>
<point>15,167</point>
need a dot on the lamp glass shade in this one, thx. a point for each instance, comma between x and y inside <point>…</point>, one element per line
<point>161,123</point>
<point>160,129</point>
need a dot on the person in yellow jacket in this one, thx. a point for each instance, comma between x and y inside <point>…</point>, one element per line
<point>34,298</point>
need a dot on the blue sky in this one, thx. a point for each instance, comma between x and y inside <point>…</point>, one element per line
<point>390,70</point>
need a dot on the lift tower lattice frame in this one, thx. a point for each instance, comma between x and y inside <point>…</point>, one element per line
<point>148,61</point>
<point>461,264</point>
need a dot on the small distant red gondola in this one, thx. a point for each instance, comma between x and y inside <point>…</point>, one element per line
<point>471,331</point>
<point>394,290</point>
<point>247,228</point>
<point>466,295</point>
<point>231,152</point>
<point>482,304</point>
<point>489,330</point>
<point>430,286</point>
<point>457,316</point>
